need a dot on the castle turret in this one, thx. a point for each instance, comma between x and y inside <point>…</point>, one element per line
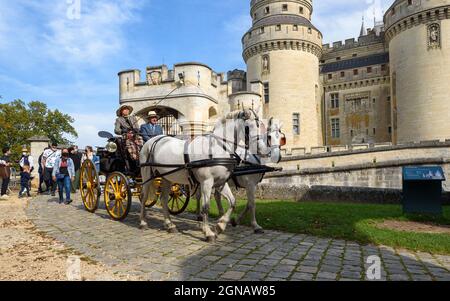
<point>282,50</point>
<point>418,35</point>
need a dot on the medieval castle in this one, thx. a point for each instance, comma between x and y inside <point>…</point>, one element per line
<point>391,85</point>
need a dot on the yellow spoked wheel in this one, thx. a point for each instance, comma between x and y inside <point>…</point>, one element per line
<point>89,186</point>
<point>152,202</point>
<point>179,199</point>
<point>118,196</point>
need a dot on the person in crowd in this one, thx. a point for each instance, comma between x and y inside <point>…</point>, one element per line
<point>41,172</point>
<point>48,161</point>
<point>26,159</point>
<point>75,155</point>
<point>25,178</point>
<point>152,128</point>
<point>90,155</point>
<point>127,126</point>
<point>5,172</point>
<point>63,173</point>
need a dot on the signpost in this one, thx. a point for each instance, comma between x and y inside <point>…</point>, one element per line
<point>422,189</point>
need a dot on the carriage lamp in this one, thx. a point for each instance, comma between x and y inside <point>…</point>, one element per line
<point>111,147</point>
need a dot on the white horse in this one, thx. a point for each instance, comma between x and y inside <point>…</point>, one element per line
<point>168,153</point>
<point>268,152</point>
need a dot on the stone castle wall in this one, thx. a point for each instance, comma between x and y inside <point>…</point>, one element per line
<point>370,175</point>
<point>419,46</point>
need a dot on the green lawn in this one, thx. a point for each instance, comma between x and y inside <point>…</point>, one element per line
<point>354,222</point>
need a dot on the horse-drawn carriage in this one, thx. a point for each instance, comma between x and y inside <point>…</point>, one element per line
<point>118,178</point>
<point>236,149</point>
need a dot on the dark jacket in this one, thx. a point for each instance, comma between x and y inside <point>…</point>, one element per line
<point>76,158</point>
<point>148,131</point>
<point>25,178</point>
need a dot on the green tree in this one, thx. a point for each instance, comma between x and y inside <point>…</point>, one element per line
<point>20,121</point>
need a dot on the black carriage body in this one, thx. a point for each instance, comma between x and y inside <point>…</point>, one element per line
<point>117,161</point>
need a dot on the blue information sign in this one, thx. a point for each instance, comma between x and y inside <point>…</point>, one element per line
<point>425,173</point>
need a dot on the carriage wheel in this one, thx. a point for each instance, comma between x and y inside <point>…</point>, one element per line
<point>179,199</point>
<point>89,186</point>
<point>118,196</point>
<point>150,203</point>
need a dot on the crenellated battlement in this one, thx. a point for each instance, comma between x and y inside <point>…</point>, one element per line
<point>372,37</point>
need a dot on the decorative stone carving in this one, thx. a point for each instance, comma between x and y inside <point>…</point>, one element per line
<point>154,78</point>
<point>434,36</point>
<point>265,64</point>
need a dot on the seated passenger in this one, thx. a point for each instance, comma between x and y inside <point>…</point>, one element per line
<point>127,126</point>
<point>151,129</point>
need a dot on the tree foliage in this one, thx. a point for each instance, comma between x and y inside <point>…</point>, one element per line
<point>20,121</point>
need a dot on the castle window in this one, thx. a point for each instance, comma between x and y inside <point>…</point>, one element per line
<point>266,93</point>
<point>355,72</point>
<point>335,128</point>
<point>342,74</point>
<point>383,67</point>
<point>354,55</point>
<point>267,10</point>
<point>278,28</point>
<point>335,100</point>
<point>390,130</point>
<point>295,27</point>
<point>330,76</point>
<point>301,10</point>
<point>369,69</point>
<point>338,58</point>
<point>296,123</point>
<point>261,30</point>
<point>409,2</point>
<point>374,131</point>
<point>309,30</point>
<point>285,7</point>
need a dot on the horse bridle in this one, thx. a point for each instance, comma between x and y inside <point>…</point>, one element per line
<point>242,115</point>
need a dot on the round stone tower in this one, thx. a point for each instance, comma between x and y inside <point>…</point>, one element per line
<point>418,35</point>
<point>282,50</point>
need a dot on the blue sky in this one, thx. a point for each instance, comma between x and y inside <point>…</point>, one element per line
<point>72,63</point>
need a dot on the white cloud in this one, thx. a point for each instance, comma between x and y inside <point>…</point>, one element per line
<point>98,34</point>
<point>88,125</point>
<point>42,30</point>
<point>340,20</point>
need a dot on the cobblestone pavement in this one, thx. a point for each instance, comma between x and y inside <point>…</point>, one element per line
<point>239,254</point>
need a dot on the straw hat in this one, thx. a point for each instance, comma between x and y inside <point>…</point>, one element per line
<point>119,111</point>
<point>152,114</point>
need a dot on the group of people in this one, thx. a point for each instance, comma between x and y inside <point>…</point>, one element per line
<point>135,136</point>
<point>26,164</point>
<point>60,168</point>
<point>57,169</point>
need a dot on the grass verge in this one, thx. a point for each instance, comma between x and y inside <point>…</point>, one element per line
<point>355,222</point>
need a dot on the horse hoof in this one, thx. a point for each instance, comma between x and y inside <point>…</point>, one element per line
<point>211,239</point>
<point>172,230</point>
<point>259,231</point>
<point>233,222</point>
